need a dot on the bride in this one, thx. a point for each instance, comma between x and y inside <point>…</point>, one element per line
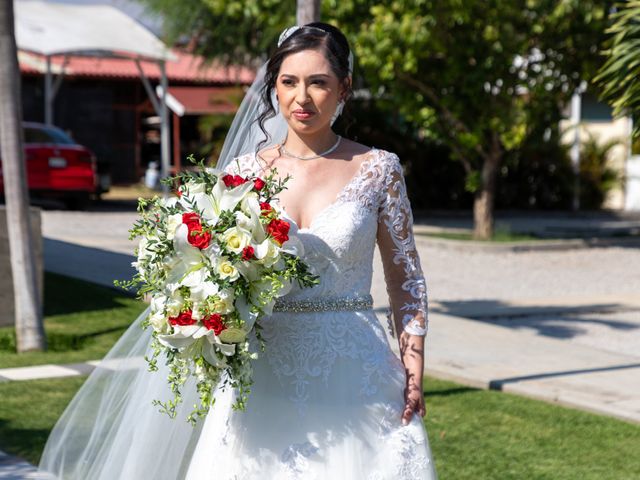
<point>330,400</point>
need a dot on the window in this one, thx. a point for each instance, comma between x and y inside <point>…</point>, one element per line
<point>50,135</point>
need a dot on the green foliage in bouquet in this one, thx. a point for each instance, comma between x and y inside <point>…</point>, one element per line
<point>213,259</point>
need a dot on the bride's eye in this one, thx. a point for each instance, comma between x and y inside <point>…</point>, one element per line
<point>286,81</point>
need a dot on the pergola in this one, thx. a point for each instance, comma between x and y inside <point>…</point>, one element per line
<point>54,29</point>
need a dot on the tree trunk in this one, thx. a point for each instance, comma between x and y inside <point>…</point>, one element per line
<point>308,11</point>
<point>29,328</point>
<point>484,197</point>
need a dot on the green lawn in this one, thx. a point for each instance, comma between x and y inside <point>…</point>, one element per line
<point>474,434</point>
<point>498,236</point>
<point>82,322</point>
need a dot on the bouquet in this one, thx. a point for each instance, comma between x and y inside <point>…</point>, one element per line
<point>213,258</point>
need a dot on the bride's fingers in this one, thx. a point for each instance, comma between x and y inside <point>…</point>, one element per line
<point>407,414</point>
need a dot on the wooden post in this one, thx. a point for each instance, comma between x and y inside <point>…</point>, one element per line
<point>177,163</point>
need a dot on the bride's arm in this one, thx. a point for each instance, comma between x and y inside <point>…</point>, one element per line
<point>405,282</point>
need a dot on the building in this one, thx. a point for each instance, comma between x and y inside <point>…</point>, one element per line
<point>102,103</point>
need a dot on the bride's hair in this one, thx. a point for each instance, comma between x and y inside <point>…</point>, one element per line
<point>312,36</point>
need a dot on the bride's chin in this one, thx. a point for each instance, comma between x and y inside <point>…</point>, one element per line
<point>306,127</point>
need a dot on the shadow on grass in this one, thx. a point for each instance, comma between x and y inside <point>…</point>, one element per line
<point>79,314</point>
<point>450,391</point>
<point>63,295</point>
<point>24,443</point>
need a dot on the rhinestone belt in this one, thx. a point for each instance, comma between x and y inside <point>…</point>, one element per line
<point>325,304</point>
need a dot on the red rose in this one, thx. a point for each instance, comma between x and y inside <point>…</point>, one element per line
<point>179,193</point>
<point>192,221</point>
<point>279,229</point>
<point>199,239</point>
<point>258,184</point>
<point>248,252</point>
<point>265,208</point>
<point>183,319</point>
<point>214,322</point>
<point>233,180</point>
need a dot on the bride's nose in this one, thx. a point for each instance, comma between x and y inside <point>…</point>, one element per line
<point>302,96</point>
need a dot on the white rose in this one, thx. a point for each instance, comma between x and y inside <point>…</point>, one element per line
<point>222,302</point>
<point>236,239</point>
<point>175,304</point>
<point>159,322</point>
<point>226,269</point>
<point>173,222</point>
<point>193,188</point>
<point>157,303</point>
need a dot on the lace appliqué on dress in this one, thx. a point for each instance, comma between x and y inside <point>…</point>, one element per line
<point>400,257</point>
<point>304,347</point>
<point>409,457</point>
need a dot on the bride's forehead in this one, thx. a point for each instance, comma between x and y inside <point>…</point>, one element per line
<point>305,62</point>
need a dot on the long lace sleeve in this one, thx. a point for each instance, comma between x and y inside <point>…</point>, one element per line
<point>406,285</point>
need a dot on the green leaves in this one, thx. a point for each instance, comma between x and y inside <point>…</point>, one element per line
<point>619,75</point>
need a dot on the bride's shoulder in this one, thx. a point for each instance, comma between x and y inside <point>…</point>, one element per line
<point>380,160</point>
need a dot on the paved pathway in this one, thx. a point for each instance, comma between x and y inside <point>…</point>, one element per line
<point>12,468</point>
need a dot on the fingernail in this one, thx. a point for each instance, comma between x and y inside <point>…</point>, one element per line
<point>404,422</point>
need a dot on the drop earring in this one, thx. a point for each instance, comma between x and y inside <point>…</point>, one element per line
<point>338,111</point>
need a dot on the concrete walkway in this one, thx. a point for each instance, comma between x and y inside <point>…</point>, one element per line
<point>12,468</point>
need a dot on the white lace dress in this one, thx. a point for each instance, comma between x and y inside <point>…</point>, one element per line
<point>328,393</point>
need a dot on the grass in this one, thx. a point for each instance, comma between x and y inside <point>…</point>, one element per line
<point>82,322</point>
<point>498,236</point>
<point>478,434</point>
<point>474,434</point>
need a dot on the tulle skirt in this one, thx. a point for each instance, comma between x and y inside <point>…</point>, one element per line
<point>326,403</point>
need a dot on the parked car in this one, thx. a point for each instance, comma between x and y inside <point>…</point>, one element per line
<point>57,167</point>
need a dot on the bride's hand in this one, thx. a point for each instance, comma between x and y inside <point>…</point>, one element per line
<point>413,402</point>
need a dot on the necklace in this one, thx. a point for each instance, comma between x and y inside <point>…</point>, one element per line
<point>284,151</point>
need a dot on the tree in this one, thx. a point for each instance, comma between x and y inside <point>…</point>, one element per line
<point>475,74</point>
<point>29,327</point>
<point>470,74</point>
<point>619,75</point>
<point>308,11</point>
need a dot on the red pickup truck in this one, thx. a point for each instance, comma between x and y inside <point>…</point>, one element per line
<point>57,167</point>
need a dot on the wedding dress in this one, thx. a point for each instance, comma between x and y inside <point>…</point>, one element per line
<point>328,393</point>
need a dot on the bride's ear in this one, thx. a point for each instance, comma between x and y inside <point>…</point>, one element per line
<point>345,89</point>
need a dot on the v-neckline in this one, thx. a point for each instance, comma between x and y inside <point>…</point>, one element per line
<point>353,178</point>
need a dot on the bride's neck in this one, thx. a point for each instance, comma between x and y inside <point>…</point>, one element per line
<point>306,145</point>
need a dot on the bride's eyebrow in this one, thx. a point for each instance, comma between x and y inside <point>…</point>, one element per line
<point>313,75</point>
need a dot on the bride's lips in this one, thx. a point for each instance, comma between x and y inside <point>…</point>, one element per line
<point>303,114</point>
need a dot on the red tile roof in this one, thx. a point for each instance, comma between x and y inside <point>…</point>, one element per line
<point>188,68</point>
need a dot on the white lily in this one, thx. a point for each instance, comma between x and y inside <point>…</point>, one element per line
<point>190,257</point>
<point>182,336</point>
<point>246,313</point>
<point>221,199</point>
